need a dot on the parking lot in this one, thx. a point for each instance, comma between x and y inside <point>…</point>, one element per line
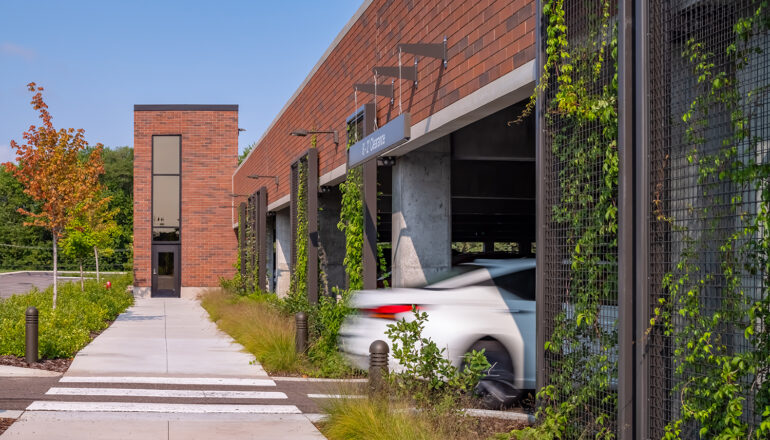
<point>21,282</point>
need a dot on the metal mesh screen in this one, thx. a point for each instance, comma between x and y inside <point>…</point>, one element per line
<point>709,122</point>
<point>580,215</point>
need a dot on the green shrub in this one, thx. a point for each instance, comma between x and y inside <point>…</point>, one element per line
<point>427,375</point>
<point>68,328</point>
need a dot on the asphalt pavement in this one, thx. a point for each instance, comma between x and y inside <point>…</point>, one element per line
<point>14,283</point>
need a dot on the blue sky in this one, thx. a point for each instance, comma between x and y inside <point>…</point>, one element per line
<point>96,59</point>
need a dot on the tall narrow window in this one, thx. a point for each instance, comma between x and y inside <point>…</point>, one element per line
<point>165,188</point>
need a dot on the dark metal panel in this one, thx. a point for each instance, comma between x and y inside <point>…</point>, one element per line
<point>626,220</point>
<point>370,207</point>
<point>370,225</point>
<point>262,240</point>
<point>242,237</point>
<point>294,176</point>
<point>540,204</point>
<point>251,237</point>
<point>312,225</point>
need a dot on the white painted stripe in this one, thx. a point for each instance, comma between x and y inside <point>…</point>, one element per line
<point>316,379</point>
<point>161,408</point>
<point>335,396</point>
<point>136,392</point>
<point>171,380</point>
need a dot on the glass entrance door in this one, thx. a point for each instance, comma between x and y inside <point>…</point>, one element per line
<point>165,271</point>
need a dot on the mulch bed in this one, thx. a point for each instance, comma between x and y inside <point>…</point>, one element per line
<point>58,365</point>
<point>485,427</point>
<point>5,423</point>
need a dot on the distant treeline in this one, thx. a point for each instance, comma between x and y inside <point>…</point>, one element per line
<point>30,248</point>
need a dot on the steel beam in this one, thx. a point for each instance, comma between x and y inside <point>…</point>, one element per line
<point>642,214</point>
<point>626,222</point>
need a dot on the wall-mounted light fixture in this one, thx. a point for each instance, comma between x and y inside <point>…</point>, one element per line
<point>303,133</point>
<point>387,161</point>
<point>260,176</point>
<point>239,195</point>
<point>324,189</point>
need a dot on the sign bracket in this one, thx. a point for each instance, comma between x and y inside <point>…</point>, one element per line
<point>433,50</point>
<point>384,90</point>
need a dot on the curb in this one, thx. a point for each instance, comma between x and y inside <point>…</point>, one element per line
<point>10,414</point>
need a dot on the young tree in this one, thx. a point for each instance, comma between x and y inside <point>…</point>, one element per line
<point>92,228</point>
<point>54,173</point>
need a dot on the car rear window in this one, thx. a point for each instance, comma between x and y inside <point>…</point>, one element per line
<point>520,283</point>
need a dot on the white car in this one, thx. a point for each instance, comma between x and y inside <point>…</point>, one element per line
<point>487,304</point>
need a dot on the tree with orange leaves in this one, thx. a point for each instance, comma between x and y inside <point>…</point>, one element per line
<point>55,172</point>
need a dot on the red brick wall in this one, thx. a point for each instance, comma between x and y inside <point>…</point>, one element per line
<point>209,157</point>
<point>486,40</point>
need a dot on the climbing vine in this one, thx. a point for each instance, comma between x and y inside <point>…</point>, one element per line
<point>722,384</point>
<point>582,117</point>
<point>352,221</point>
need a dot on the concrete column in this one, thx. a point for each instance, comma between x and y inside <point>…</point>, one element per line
<point>422,226</point>
<point>282,252</point>
<point>332,240</point>
<point>270,260</point>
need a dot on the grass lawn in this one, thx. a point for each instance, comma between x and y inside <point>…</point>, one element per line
<point>68,328</point>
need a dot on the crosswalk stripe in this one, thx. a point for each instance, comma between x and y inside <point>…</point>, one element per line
<point>161,408</point>
<point>170,380</point>
<point>133,392</point>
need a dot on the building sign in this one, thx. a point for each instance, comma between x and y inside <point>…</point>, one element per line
<point>390,135</point>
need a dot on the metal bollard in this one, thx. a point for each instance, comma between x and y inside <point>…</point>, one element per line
<point>378,365</point>
<point>300,340</point>
<point>30,353</point>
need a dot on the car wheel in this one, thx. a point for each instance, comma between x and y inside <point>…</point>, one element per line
<point>497,389</point>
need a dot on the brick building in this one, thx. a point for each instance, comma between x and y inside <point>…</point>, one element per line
<point>184,157</point>
<point>464,174</point>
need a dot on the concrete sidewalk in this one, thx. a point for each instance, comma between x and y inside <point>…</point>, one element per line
<point>157,351</point>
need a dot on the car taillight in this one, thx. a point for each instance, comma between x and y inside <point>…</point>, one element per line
<point>389,311</point>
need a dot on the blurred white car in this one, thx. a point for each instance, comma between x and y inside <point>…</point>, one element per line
<point>487,304</point>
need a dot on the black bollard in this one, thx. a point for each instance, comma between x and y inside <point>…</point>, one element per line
<point>31,351</point>
<point>300,340</point>
<point>378,365</point>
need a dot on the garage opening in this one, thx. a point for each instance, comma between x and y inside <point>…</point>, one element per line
<point>493,187</point>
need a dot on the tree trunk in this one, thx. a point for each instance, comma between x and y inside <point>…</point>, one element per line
<point>55,268</point>
<point>96,257</point>
<point>82,286</point>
